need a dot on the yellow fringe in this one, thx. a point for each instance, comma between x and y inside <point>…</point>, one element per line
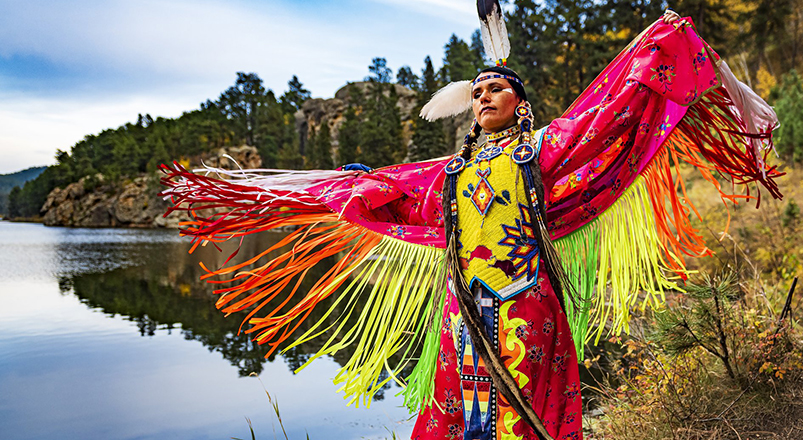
<point>393,315</point>
<point>622,246</point>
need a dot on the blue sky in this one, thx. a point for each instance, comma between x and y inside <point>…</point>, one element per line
<point>71,68</point>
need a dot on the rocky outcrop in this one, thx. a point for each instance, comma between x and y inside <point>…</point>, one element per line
<point>316,111</point>
<point>95,202</point>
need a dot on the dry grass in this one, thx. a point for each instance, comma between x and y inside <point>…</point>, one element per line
<point>657,393</point>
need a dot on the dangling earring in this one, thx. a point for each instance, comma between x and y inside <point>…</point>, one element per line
<point>525,121</point>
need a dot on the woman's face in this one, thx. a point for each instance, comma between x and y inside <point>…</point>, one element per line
<point>494,103</point>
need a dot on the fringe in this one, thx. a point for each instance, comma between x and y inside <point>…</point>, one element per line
<point>622,246</point>
<point>420,390</point>
<point>645,234</point>
<point>392,313</point>
<point>393,289</point>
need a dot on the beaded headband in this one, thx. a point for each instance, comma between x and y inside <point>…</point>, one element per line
<point>487,77</point>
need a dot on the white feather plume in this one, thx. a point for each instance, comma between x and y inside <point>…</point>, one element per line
<point>494,34</point>
<point>757,115</point>
<point>453,99</point>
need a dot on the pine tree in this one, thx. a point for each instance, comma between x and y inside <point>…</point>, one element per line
<point>348,138</point>
<point>478,50</point>
<point>428,138</point>
<point>459,63</point>
<point>789,107</point>
<point>296,94</point>
<point>405,77</point>
<point>380,72</point>
<point>320,154</point>
<point>534,51</point>
<point>241,104</point>
<point>380,132</point>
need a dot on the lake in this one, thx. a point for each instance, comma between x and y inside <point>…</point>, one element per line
<point>108,333</point>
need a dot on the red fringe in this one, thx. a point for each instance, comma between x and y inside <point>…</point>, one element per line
<point>248,210</point>
<point>712,138</point>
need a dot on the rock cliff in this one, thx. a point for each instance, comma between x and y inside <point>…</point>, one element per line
<point>95,202</point>
<point>316,111</point>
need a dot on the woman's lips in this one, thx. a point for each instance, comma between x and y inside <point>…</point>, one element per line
<point>484,109</point>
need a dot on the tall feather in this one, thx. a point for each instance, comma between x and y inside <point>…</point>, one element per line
<point>493,29</point>
<point>453,99</point>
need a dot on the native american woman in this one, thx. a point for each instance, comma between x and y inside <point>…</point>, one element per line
<point>495,266</point>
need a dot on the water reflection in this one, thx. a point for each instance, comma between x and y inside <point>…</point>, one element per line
<point>99,330</point>
<point>166,293</point>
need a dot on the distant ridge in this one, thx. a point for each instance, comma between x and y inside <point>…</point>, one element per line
<point>9,181</point>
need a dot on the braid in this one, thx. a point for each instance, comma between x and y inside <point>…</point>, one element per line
<point>470,140</point>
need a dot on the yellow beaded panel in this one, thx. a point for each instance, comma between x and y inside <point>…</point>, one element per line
<point>497,249</point>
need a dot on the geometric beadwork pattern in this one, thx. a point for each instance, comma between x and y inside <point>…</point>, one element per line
<point>483,195</point>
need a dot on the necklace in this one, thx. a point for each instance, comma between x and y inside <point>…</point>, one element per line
<point>493,137</point>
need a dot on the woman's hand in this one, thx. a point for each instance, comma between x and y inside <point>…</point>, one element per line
<point>670,16</point>
<point>356,167</point>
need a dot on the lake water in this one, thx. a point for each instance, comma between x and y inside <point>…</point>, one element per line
<point>107,333</point>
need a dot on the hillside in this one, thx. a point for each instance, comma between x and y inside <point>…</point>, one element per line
<point>9,181</point>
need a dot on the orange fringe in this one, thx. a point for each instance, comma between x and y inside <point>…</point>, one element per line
<point>708,138</point>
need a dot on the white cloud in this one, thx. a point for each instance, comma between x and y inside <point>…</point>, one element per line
<point>460,11</point>
<point>32,129</point>
<point>162,57</point>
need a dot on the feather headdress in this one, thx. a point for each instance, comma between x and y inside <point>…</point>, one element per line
<point>493,30</point>
<point>455,97</point>
<point>451,100</point>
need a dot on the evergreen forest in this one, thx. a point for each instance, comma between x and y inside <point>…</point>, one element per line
<point>558,47</point>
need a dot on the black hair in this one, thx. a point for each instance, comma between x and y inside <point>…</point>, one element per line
<point>517,86</point>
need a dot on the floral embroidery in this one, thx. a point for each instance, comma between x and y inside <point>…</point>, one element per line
<point>559,362</point>
<point>548,326</point>
<point>622,115</point>
<point>398,231</point>
<point>590,134</point>
<point>522,332</point>
<point>455,431</point>
<point>535,354</point>
<point>664,128</point>
<point>699,60</point>
<point>572,391</point>
<point>664,74</point>
<point>432,424</point>
<point>599,87</point>
<point>384,188</point>
<point>450,403</point>
<point>431,232</point>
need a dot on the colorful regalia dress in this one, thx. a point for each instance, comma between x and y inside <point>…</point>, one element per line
<point>615,208</point>
<point>522,315</point>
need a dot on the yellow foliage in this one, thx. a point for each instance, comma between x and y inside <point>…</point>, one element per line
<point>765,82</point>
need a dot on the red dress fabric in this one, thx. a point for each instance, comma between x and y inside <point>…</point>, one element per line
<point>546,360</point>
